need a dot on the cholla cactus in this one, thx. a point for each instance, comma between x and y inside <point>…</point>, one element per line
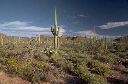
<point>55,31</point>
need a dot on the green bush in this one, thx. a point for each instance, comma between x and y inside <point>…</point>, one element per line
<point>102,70</point>
<point>11,60</point>
<point>121,46</point>
<point>82,71</point>
<point>3,52</point>
<point>32,72</point>
<point>99,68</point>
<point>107,58</point>
<point>56,56</point>
<point>39,64</point>
<point>94,79</point>
<point>0,66</point>
<point>2,60</point>
<point>67,66</point>
<point>93,63</point>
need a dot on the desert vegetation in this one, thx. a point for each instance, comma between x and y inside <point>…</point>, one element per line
<point>79,60</point>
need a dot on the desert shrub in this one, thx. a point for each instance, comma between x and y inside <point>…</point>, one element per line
<point>39,64</point>
<point>29,73</point>
<point>102,70</point>
<point>55,56</point>
<point>2,63</point>
<point>82,72</point>
<point>94,79</point>
<point>2,60</point>
<point>14,66</point>
<point>32,72</point>
<point>11,60</point>
<point>72,46</point>
<point>121,46</point>
<point>49,51</point>
<point>107,58</point>
<point>81,69</point>
<point>38,76</point>
<point>59,61</point>
<point>125,63</point>
<point>97,67</point>
<point>68,67</point>
<point>75,58</point>
<point>40,56</point>
<point>22,71</point>
<point>3,52</point>
<point>93,63</point>
<point>0,66</point>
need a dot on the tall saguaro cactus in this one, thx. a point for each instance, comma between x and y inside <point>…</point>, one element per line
<point>39,41</point>
<point>55,31</point>
<point>2,40</point>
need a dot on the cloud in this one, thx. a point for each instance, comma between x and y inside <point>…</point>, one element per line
<point>14,24</point>
<point>91,34</point>
<point>62,31</point>
<point>87,33</point>
<point>113,25</point>
<point>82,16</point>
<point>20,28</point>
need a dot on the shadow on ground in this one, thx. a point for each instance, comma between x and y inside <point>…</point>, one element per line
<point>74,80</point>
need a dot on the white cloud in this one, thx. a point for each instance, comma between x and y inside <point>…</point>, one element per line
<point>14,24</point>
<point>25,28</point>
<point>62,31</point>
<point>82,16</point>
<point>87,33</point>
<point>91,34</point>
<point>113,25</point>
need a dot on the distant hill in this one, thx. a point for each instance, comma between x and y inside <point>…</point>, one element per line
<point>1,34</point>
<point>123,38</point>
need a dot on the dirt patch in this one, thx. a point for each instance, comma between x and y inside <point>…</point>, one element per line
<point>7,79</point>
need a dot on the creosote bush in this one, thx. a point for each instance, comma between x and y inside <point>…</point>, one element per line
<point>106,58</point>
<point>89,59</point>
<point>32,72</point>
<point>82,71</point>
<point>3,52</point>
<point>97,67</point>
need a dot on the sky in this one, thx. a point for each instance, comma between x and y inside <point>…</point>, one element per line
<point>75,17</point>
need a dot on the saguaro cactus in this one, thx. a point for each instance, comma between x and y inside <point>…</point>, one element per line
<point>39,41</point>
<point>19,39</point>
<point>2,40</point>
<point>55,31</point>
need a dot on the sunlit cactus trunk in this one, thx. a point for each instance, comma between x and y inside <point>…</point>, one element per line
<point>19,39</point>
<point>2,40</point>
<point>110,41</point>
<point>58,41</point>
<point>104,44</point>
<point>36,38</point>
<point>55,41</point>
<point>94,31</point>
<point>55,31</point>
<point>39,41</point>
